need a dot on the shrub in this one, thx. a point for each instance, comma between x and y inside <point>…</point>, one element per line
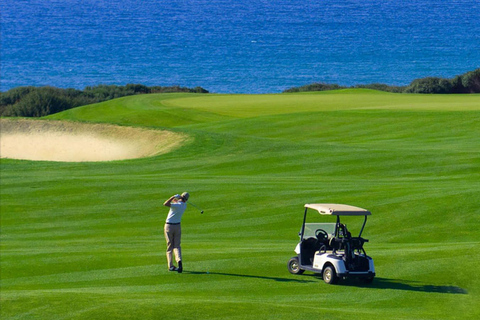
<point>430,85</point>
<point>315,87</point>
<point>466,83</point>
<point>42,101</point>
<point>471,81</point>
<point>39,103</point>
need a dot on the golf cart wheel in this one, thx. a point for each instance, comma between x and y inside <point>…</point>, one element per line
<point>329,275</point>
<point>294,266</point>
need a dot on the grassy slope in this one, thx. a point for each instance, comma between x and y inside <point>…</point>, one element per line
<point>84,240</point>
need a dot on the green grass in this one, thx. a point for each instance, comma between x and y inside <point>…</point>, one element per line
<point>85,240</point>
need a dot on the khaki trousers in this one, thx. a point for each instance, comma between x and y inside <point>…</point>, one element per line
<point>173,234</point>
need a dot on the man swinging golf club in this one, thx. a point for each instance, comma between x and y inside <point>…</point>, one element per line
<point>173,231</point>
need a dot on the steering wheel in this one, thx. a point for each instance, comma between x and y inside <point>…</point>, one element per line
<point>321,234</point>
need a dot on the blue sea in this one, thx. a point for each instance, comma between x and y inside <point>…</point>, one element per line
<point>235,46</point>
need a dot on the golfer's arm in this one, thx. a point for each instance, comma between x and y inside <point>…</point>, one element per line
<point>169,201</point>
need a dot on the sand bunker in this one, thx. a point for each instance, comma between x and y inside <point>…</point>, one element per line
<point>79,142</point>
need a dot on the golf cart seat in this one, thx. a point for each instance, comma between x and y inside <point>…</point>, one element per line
<point>336,243</point>
<point>324,244</point>
<point>308,247</point>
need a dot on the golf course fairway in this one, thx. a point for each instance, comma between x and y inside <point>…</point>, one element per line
<point>84,240</point>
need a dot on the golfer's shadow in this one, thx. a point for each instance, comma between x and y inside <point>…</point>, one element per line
<point>249,276</point>
<point>397,284</point>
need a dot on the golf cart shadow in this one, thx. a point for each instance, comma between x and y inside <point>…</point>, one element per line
<point>397,284</point>
<point>249,276</point>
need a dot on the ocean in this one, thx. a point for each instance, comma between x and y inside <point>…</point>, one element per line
<point>228,46</point>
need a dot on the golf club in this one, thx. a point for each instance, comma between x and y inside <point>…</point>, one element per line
<point>201,211</point>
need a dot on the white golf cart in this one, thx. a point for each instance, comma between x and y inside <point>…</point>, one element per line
<point>329,248</point>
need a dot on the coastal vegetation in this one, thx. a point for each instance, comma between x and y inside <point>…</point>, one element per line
<point>466,83</point>
<point>41,101</point>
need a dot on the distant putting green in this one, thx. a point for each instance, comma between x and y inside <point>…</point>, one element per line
<point>84,240</point>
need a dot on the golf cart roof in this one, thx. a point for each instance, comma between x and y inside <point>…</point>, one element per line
<point>337,209</point>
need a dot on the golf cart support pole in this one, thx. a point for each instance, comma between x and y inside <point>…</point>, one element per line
<point>303,225</point>
<point>364,222</point>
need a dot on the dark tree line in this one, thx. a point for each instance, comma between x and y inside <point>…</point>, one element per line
<point>465,83</point>
<point>42,101</point>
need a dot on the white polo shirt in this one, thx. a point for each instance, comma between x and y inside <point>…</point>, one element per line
<point>176,212</point>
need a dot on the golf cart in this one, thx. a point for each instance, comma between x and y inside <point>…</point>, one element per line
<point>329,248</point>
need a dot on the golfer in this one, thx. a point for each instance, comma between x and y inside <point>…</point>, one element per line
<point>173,231</point>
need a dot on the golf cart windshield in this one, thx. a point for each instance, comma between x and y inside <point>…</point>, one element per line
<point>332,210</point>
<point>310,229</point>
